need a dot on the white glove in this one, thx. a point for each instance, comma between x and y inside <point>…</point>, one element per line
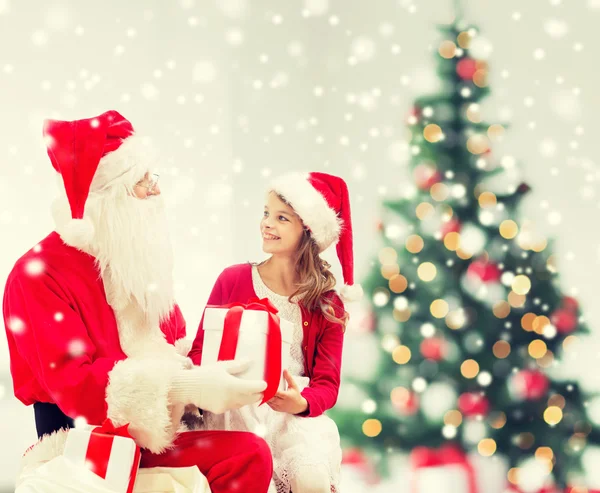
<point>215,387</point>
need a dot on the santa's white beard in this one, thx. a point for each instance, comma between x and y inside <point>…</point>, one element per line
<point>133,252</point>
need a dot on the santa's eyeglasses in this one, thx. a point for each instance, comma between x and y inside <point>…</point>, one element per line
<point>149,183</point>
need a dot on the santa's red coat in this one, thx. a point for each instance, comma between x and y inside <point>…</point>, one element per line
<point>64,348</point>
<point>63,338</point>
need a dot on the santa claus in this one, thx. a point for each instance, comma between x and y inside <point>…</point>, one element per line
<point>93,329</point>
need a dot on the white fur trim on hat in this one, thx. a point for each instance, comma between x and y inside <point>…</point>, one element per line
<point>138,395</point>
<point>351,293</point>
<point>311,206</point>
<point>77,233</point>
<point>125,165</point>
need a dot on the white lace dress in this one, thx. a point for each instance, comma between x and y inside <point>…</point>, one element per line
<point>295,442</point>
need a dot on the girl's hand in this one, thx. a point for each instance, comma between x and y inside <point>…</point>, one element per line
<point>290,400</point>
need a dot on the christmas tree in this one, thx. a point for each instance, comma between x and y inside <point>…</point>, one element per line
<point>466,299</point>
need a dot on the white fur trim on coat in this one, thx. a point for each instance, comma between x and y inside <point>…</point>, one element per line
<point>138,395</point>
<point>46,449</point>
<point>311,206</point>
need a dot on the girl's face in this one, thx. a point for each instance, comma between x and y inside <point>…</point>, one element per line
<point>281,228</point>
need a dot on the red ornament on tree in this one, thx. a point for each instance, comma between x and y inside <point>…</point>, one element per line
<point>473,404</point>
<point>426,176</point>
<point>405,401</point>
<point>466,68</point>
<point>564,320</point>
<point>433,348</point>
<point>530,385</point>
<point>415,112</point>
<point>570,303</point>
<point>451,226</point>
<point>484,271</point>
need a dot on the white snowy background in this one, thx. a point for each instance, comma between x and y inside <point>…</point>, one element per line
<point>234,91</point>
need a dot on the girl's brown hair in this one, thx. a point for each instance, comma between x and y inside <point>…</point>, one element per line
<point>315,280</point>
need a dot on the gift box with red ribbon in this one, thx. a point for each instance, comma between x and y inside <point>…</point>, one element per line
<point>249,331</point>
<point>108,451</point>
<point>449,469</point>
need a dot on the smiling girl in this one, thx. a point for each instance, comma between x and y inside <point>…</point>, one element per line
<point>303,215</point>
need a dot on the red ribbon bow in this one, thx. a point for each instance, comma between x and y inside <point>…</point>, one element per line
<point>108,428</point>
<point>99,449</point>
<point>446,455</point>
<point>231,333</point>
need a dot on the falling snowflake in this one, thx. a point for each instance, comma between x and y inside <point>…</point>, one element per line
<point>80,422</point>
<point>539,54</point>
<point>16,325</point>
<point>234,36</point>
<point>566,105</point>
<point>316,7</point>
<point>39,37</point>
<point>481,48</point>
<point>369,406</point>
<point>363,49</point>
<point>76,348</point>
<point>554,218</point>
<point>34,267</point>
<point>150,91</point>
<point>556,28</point>
<point>398,152</point>
<point>548,148</point>
<point>233,8</point>
<point>280,79</point>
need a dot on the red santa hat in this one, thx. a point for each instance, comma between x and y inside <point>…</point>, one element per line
<point>322,202</point>
<point>102,150</point>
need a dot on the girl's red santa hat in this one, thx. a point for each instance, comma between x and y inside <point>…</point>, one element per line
<point>323,203</point>
<point>92,155</point>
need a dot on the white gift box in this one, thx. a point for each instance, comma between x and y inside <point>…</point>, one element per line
<point>490,476</point>
<point>252,342</point>
<point>121,457</point>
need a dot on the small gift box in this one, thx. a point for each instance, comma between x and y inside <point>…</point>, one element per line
<point>250,331</point>
<point>450,470</point>
<point>109,452</point>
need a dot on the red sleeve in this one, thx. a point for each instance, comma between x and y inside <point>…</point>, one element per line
<point>174,326</point>
<point>322,392</point>
<point>56,348</point>
<point>215,298</point>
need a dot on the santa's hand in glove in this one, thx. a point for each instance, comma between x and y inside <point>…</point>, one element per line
<point>216,387</point>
